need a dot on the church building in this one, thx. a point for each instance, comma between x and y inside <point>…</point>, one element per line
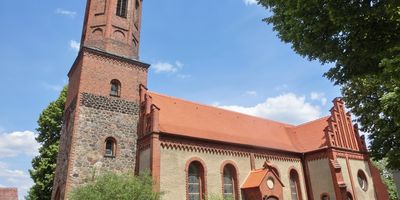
<point>113,122</point>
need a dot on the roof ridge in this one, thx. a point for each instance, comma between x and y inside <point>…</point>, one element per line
<point>223,109</point>
<point>312,121</point>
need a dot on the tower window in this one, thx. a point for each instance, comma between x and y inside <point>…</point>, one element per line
<point>110,147</point>
<point>137,4</point>
<point>122,8</point>
<point>115,88</point>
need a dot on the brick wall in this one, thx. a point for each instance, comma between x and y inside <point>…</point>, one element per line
<point>8,194</point>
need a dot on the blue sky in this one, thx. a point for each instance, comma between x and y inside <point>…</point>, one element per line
<point>213,52</point>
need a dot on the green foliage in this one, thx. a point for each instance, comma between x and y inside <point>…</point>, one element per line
<point>117,186</point>
<point>361,40</point>
<point>387,178</point>
<point>217,197</point>
<point>44,165</point>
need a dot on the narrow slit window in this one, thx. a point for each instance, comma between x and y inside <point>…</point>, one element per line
<point>122,8</point>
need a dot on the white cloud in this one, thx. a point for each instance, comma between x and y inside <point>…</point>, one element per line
<point>319,97</point>
<point>74,45</point>
<point>250,2</point>
<point>179,64</point>
<point>251,93</point>
<point>64,12</point>
<point>287,108</point>
<point>15,178</point>
<point>17,143</point>
<point>161,67</point>
<point>170,68</point>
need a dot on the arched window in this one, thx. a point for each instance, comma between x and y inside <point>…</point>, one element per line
<point>122,8</point>
<point>362,180</point>
<point>229,182</point>
<point>115,88</point>
<point>295,185</point>
<point>325,197</point>
<point>110,147</point>
<point>196,186</point>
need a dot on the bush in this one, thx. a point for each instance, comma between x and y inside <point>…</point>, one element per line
<point>124,186</point>
<point>217,197</point>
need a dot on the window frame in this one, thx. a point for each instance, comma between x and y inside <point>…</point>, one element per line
<point>361,175</point>
<point>293,172</point>
<point>234,178</point>
<point>122,8</point>
<point>114,147</point>
<point>115,83</point>
<point>202,176</point>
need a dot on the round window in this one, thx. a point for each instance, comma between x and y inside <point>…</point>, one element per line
<point>270,183</point>
<point>362,180</point>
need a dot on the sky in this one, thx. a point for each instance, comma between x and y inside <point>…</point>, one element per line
<point>217,53</point>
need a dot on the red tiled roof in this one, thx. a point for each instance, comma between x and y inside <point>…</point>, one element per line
<point>254,179</point>
<point>311,135</point>
<point>8,194</point>
<point>185,118</point>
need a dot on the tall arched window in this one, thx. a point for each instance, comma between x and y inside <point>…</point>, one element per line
<point>110,147</point>
<point>195,181</point>
<point>115,88</point>
<point>295,185</point>
<point>122,8</point>
<point>229,182</point>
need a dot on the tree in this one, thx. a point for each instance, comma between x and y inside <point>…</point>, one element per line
<point>387,178</point>
<point>124,186</point>
<point>44,165</point>
<point>361,40</point>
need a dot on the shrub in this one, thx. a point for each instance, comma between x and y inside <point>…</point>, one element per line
<point>123,186</point>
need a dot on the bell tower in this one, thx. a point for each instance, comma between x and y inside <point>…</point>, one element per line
<point>113,26</point>
<point>101,114</point>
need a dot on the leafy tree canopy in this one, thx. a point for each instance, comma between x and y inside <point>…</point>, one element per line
<point>387,178</point>
<point>117,186</point>
<point>44,165</point>
<point>361,40</point>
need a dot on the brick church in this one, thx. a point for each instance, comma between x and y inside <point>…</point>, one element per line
<point>113,122</point>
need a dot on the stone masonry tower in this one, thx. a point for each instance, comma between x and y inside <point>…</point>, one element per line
<point>102,108</point>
